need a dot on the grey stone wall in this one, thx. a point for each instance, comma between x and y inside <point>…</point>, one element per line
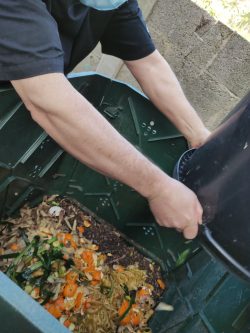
<point>211,61</point>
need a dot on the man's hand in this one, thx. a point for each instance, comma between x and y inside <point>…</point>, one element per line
<point>176,206</point>
<point>200,138</point>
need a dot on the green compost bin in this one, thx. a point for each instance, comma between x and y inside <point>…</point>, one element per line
<point>206,297</point>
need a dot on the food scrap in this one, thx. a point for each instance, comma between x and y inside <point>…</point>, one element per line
<point>79,269</point>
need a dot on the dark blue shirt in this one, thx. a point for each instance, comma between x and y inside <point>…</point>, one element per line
<point>39,37</point>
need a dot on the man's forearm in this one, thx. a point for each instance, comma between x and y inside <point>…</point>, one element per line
<point>79,128</point>
<point>162,87</point>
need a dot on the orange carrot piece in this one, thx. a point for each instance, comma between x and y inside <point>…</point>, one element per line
<point>70,289</point>
<point>142,293</point>
<point>81,229</point>
<point>125,321</point>
<point>86,305</point>
<point>60,237</point>
<point>67,323</point>
<point>53,310</point>
<point>72,276</point>
<point>37,291</point>
<point>59,302</point>
<point>78,301</point>
<point>94,282</point>
<point>87,256</point>
<point>123,308</point>
<point>161,284</point>
<point>68,236</point>
<point>135,318</point>
<point>96,275</point>
<point>14,247</point>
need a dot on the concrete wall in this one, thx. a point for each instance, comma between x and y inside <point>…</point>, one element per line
<point>211,61</point>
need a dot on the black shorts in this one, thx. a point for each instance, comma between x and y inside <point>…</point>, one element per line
<point>53,36</point>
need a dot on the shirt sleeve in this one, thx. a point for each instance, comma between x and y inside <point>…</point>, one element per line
<point>29,40</point>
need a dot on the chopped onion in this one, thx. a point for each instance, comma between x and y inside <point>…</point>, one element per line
<point>164,307</point>
<point>55,210</point>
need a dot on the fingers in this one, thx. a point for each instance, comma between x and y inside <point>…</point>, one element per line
<point>188,228</point>
<point>200,138</point>
<point>199,213</point>
<point>180,210</point>
<point>191,231</point>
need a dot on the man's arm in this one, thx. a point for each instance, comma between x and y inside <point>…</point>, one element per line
<point>159,83</point>
<point>79,128</point>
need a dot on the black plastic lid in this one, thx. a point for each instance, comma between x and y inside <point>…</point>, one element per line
<point>219,173</point>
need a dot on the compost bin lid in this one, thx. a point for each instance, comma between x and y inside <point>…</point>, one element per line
<point>219,173</point>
